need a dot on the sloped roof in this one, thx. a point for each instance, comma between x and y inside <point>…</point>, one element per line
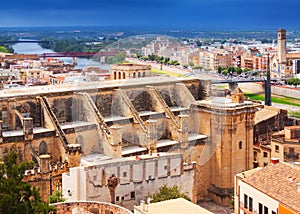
<point>237,90</point>
<point>279,181</point>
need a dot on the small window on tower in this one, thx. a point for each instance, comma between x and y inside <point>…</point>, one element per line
<point>132,195</point>
<point>240,145</point>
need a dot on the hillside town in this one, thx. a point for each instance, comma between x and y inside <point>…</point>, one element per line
<point>171,113</point>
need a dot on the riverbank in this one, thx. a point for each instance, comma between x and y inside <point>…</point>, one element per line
<point>34,48</point>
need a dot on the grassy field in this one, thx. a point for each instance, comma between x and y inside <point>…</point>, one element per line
<point>294,114</point>
<point>166,73</point>
<point>276,99</point>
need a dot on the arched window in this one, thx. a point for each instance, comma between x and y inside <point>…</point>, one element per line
<point>43,149</point>
<point>134,75</point>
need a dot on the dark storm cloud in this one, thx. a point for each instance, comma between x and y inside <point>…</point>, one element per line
<point>33,5</point>
<point>210,13</point>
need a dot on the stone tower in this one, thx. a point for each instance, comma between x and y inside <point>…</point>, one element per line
<point>281,50</point>
<point>229,126</point>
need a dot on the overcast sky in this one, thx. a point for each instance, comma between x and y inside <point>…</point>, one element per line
<point>214,14</point>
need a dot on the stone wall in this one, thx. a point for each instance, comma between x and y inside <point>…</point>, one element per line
<point>94,207</point>
<point>137,178</point>
<point>278,90</point>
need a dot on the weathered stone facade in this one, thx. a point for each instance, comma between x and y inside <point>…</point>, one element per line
<point>134,178</point>
<point>129,118</point>
<point>89,207</point>
<point>129,70</point>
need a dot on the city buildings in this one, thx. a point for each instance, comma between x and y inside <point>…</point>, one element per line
<point>118,141</point>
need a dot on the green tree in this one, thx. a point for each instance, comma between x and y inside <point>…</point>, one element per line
<point>119,58</point>
<point>225,72</point>
<point>239,70</point>
<point>174,62</point>
<point>231,69</point>
<point>293,81</point>
<point>3,49</point>
<point>166,193</point>
<point>199,44</point>
<point>151,57</point>
<point>219,69</point>
<point>57,197</point>
<point>17,196</point>
<point>246,70</point>
<point>167,60</point>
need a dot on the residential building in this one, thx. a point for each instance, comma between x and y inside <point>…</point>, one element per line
<point>273,189</point>
<point>290,139</point>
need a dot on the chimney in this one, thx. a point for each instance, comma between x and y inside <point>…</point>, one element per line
<point>274,160</point>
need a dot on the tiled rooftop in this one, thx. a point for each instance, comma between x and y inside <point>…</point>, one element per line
<point>266,113</point>
<point>279,181</point>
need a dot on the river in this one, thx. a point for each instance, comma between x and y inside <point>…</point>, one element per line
<point>34,48</point>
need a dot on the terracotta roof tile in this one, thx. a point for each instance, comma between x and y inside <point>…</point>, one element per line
<point>266,113</point>
<point>279,181</point>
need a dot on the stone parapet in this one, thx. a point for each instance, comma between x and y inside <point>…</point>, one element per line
<point>89,207</point>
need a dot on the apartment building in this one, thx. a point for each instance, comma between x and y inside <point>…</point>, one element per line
<point>212,60</point>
